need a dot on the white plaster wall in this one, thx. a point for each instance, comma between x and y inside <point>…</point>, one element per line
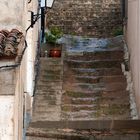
<point>6,117</point>
<point>14,14</point>
<point>32,41</point>
<point>133,41</point>
<point>11,14</point>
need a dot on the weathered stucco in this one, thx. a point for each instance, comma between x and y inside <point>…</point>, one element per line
<point>133,42</point>
<point>11,12</point>
<point>98,18</point>
<point>6,119</point>
<point>15,83</point>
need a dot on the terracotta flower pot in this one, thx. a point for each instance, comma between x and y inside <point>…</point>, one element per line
<point>55,53</point>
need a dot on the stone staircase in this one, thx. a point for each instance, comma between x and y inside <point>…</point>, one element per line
<point>79,88</point>
<point>47,99</point>
<point>95,86</point>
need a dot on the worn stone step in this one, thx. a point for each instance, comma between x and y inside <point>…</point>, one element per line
<point>50,61</point>
<point>50,72</point>
<point>76,108</point>
<point>42,80</point>
<point>82,94</point>
<point>40,138</point>
<point>47,116</point>
<point>89,130</point>
<point>86,135</point>
<point>95,79</point>
<point>93,64</point>
<point>48,102</point>
<point>78,116</point>
<point>51,67</point>
<point>98,87</point>
<point>102,109</point>
<point>49,83</point>
<point>50,77</point>
<point>50,86</point>
<point>102,101</point>
<point>44,88</point>
<point>80,101</point>
<point>40,91</point>
<point>81,115</point>
<point>92,71</point>
<point>44,105</point>
<point>98,55</point>
<point>45,111</point>
<point>122,114</point>
<point>91,94</point>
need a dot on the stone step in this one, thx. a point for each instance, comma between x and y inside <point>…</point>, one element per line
<point>50,72</point>
<point>82,115</point>
<point>40,91</point>
<point>47,116</point>
<point>102,109</point>
<point>98,55</point>
<point>79,101</point>
<point>45,67</point>
<point>43,106</point>
<point>102,101</point>
<point>98,87</point>
<point>105,114</point>
<point>50,77</point>
<point>40,138</point>
<point>95,79</point>
<point>84,130</point>
<point>49,87</point>
<point>77,108</point>
<point>43,88</point>
<point>47,102</point>
<point>50,61</point>
<point>93,64</point>
<point>92,71</point>
<point>45,111</point>
<point>48,96</point>
<point>49,84</point>
<point>97,94</point>
<point>106,136</point>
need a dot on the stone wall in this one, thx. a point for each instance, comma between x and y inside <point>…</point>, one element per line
<point>98,18</point>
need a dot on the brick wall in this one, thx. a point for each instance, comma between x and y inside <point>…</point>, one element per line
<point>96,18</point>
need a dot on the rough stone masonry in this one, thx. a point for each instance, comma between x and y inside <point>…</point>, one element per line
<point>97,18</point>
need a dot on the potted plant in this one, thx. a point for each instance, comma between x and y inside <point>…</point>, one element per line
<point>51,38</point>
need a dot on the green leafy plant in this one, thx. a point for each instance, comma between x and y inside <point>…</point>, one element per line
<point>54,34</point>
<point>118,31</point>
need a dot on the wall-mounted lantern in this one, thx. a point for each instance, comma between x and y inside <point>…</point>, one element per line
<point>44,4</point>
<point>47,3</point>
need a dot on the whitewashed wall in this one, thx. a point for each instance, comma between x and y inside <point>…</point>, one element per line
<point>15,14</point>
<point>133,42</point>
<point>6,118</point>
<point>11,13</point>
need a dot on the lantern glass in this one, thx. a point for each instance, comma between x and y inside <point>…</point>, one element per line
<point>43,3</point>
<point>49,3</point>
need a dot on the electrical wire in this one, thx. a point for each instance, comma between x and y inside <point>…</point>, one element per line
<point>19,63</point>
<point>29,1</point>
<point>37,17</point>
